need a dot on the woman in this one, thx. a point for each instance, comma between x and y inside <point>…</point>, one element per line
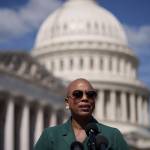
<point>80,99</point>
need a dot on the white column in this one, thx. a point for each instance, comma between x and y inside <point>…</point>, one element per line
<point>124,106</point>
<point>33,70</point>
<point>132,108</point>
<point>22,68</point>
<point>47,64</point>
<point>9,127</point>
<point>112,108</point>
<point>39,125</point>
<point>99,107</point>
<point>53,119</point>
<point>24,128</point>
<point>146,119</point>
<point>139,109</point>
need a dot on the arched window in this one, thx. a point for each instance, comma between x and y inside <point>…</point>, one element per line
<point>103,29</point>
<point>61,65</point>
<point>81,63</point>
<point>88,26</point>
<point>91,63</point>
<point>96,26</point>
<point>71,64</point>
<point>118,65</point>
<point>110,64</point>
<point>65,27</point>
<point>101,63</point>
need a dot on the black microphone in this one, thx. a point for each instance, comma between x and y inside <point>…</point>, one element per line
<point>101,142</point>
<point>91,128</point>
<point>91,131</point>
<point>76,146</point>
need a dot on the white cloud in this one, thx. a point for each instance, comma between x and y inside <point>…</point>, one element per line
<point>14,23</point>
<point>139,40</point>
<point>138,37</point>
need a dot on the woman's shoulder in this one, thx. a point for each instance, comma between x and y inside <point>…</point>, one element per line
<point>107,129</point>
<point>56,128</point>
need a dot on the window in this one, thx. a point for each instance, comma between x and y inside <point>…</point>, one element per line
<point>118,65</point>
<point>88,26</point>
<point>101,63</point>
<point>61,66</point>
<point>110,64</point>
<point>71,64</point>
<point>91,63</point>
<point>81,63</point>
<point>65,27</point>
<point>103,29</point>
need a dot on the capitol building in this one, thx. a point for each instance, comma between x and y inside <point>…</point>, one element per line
<point>78,40</point>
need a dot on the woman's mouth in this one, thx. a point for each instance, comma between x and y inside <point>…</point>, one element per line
<point>85,107</point>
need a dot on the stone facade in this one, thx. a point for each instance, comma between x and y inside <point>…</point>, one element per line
<point>29,101</point>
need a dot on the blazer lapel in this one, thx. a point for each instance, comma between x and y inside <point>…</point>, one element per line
<point>68,133</point>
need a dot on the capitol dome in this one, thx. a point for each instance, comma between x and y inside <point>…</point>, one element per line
<point>82,25</point>
<point>80,20</point>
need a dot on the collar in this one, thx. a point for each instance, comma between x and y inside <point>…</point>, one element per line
<point>68,133</point>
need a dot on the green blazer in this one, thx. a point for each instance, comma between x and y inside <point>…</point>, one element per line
<point>60,138</point>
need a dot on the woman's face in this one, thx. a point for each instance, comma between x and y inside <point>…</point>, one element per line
<point>81,98</point>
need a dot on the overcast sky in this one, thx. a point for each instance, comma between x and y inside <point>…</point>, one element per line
<point>21,19</point>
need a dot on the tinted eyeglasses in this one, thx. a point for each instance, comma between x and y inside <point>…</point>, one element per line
<point>78,94</point>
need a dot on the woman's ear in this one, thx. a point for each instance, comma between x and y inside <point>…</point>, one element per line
<point>66,99</point>
<point>66,103</point>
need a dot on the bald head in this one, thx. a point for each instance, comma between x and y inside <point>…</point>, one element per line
<point>78,84</point>
<point>81,98</point>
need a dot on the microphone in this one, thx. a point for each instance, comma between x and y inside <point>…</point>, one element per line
<point>76,146</point>
<point>101,142</point>
<point>91,128</point>
<point>91,131</point>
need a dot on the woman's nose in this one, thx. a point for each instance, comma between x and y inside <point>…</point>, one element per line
<point>84,97</point>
